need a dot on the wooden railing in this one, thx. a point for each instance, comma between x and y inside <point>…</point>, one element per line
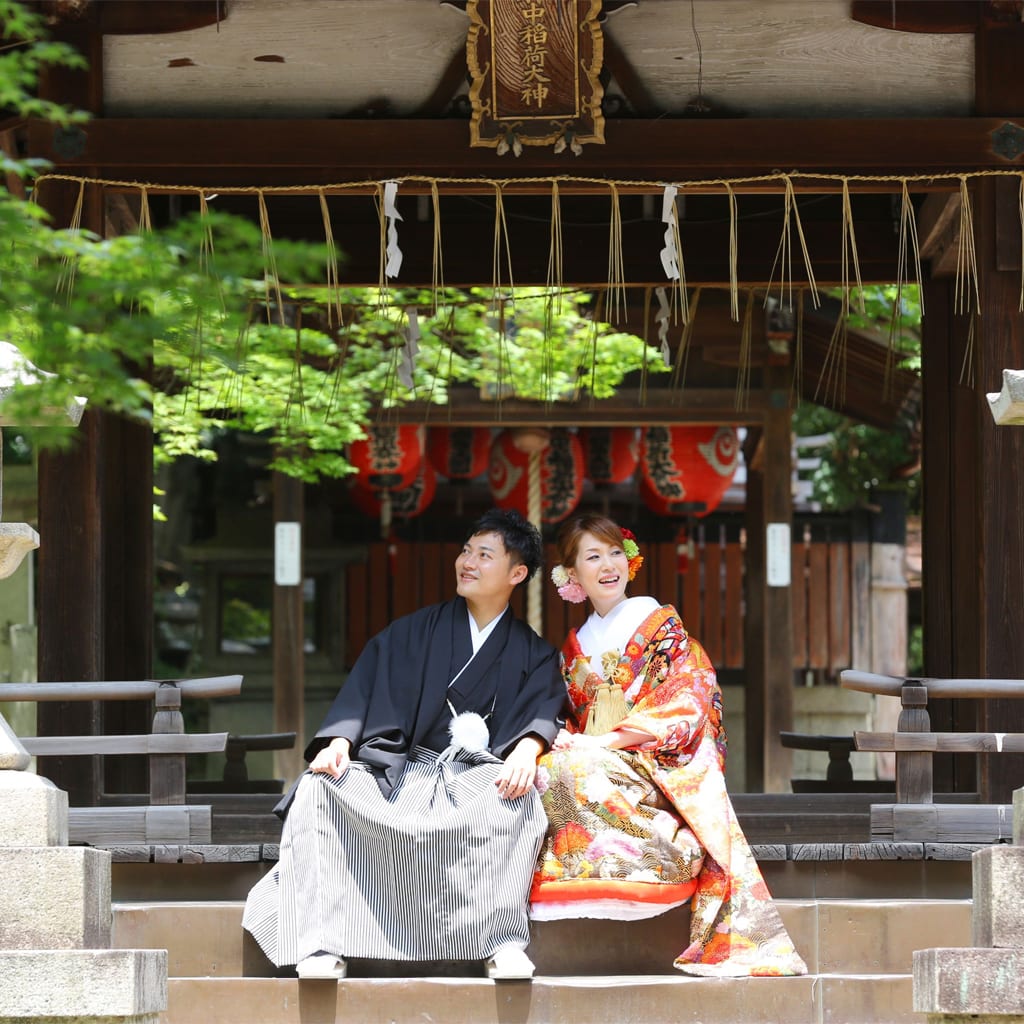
<point>915,817</point>
<point>166,817</point>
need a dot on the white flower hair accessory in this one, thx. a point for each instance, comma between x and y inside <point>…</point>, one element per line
<point>568,589</point>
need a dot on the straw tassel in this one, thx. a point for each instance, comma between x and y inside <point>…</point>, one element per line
<point>68,265</point>
<point>437,264</point>
<point>333,279</point>
<point>685,339</point>
<point>798,355</point>
<point>382,249</point>
<point>607,710</point>
<point>616,261</point>
<point>501,241</point>
<point>555,250</point>
<point>967,376</point>
<point>784,253</point>
<point>834,368</point>
<point>269,260</point>
<point>648,293</point>
<point>850,249</point>
<point>734,248</point>
<point>907,247</point>
<point>743,373</point>
<point>598,317</point>
<point>832,382</point>
<point>966,259</point>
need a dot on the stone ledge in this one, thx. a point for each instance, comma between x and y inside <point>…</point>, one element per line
<point>249,853</point>
<point>54,897</point>
<point>969,981</point>
<point>104,984</point>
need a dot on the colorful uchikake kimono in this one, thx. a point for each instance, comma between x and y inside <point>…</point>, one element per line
<point>635,832</point>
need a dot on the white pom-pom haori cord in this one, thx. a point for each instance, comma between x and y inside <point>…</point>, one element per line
<point>469,730</point>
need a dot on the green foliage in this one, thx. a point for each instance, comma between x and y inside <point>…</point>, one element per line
<point>195,329</point>
<point>894,315</point>
<point>25,51</point>
<point>860,458</point>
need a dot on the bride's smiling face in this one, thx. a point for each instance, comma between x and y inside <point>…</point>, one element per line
<point>602,570</point>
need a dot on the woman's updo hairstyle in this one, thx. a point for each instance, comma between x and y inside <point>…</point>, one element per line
<point>571,533</point>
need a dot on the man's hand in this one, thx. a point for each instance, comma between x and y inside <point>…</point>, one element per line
<point>520,768</point>
<point>333,759</point>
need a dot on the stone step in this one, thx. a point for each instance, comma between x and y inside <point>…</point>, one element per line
<point>835,937</point>
<point>821,999</point>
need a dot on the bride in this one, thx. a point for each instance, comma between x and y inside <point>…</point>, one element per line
<point>639,820</point>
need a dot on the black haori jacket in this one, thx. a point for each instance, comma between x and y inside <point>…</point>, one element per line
<point>396,692</point>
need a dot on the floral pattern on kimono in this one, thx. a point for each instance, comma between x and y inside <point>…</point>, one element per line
<point>672,693</point>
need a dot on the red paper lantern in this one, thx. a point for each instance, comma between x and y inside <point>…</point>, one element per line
<point>610,454</point>
<point>390,456</point>
<point>459,453</point>
<point>687,470</point>
<point>406,503</point>
<point>561,474</point>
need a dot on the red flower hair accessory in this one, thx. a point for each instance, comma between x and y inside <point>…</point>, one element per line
<point>632,551</point>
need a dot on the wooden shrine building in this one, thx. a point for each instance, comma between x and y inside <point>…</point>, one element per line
<point>780,124</point>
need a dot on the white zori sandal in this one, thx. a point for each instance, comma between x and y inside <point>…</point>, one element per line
<point>324,966</point>
<point>509,963</point>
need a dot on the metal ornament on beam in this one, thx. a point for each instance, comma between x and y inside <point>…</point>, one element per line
<point>1007,404</point>
<point>534,67</point>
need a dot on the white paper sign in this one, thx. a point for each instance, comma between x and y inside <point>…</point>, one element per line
<point>778,555</point>
<point>287,554</point>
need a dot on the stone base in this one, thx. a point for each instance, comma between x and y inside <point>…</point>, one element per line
<point>34,811</point>
<point>969,982</point>
<point>83,985</point>
<point>143,1018</point>
<point>998,881</point>
<point>54,897</point>
<point>975,1018</point>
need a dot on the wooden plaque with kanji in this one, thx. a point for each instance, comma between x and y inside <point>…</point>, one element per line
<point>534,66</point>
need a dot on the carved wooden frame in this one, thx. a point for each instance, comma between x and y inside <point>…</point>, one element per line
<point>575,114</point>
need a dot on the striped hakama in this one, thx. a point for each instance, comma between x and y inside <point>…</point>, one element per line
<point>440,870</point>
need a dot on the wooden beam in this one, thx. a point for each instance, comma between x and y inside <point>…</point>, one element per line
<point>918,15</point>
<point>454,75</point>
<point>142,17</point>
<point>637,95</point>
<point>950,742</point>
<point>626,409</point>
<point>66,746</point>
<point>272,152</point>
<point>938,231</point>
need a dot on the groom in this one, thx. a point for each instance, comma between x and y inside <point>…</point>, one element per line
<point>408,838</point>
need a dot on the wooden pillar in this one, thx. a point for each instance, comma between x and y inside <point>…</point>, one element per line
<point>951,585</point>
<point>95,525</point>
<point>974,487</point>
<point>768,623</point>
<point>288,624</point>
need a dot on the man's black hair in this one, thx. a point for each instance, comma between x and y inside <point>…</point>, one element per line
<point>521,538</point>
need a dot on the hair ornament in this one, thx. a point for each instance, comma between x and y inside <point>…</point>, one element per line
<point>568,589</point>
<point>632,551</point>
